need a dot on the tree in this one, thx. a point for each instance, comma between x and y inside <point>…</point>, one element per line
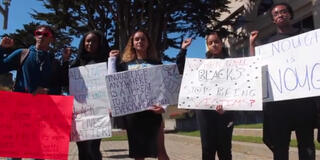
<point>119,18</point>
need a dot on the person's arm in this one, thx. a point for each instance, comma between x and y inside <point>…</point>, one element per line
<point>11,62</point>
<point>112,61</point>
<point>252,42</point>
<point>64,67</point>
<point>181,57</point>
<point>61,73</point>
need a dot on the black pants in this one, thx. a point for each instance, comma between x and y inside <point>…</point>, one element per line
<point>216,134</point>
<point>143,131</point>
<point>89,150</point>
<point>283,117</point>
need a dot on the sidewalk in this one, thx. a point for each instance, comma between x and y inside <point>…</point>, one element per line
<point>187,148</point>
<point>178,148</point>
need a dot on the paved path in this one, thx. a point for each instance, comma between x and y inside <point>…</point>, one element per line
<point>186,148</point>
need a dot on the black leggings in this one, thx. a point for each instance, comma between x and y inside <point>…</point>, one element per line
<point>280,118</point>
<point>216,134</point>
<point>89,150</point>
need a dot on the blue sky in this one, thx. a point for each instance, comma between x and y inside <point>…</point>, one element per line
<point>19,14</point>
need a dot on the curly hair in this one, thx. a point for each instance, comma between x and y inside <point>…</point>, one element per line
<point>130,54</point>
<point>102,52</point>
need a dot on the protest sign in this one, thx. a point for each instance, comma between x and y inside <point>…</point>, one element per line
<point>291,67</point>
<point>234,83</point>
<point>91,118</point>
<point>136,90</point>
<point>35,126</point>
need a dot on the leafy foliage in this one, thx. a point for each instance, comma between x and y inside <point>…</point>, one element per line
<point>118,19</point>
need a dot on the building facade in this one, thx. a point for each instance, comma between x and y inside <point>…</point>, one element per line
<point>253,15</point>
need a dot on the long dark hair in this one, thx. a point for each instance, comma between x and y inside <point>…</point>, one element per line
<point>223,54</point>
<point>102,52</point>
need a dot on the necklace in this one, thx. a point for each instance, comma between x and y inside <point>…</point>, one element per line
<point>38,60</point>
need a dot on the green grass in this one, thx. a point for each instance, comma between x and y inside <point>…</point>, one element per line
<point>249,139</point>
<point>116,138</point>
<point>256,125</point>
<point>191,133</point>
<point>293,142</point>
<point>123,137</point>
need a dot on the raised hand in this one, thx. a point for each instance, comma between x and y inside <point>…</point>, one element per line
<point>7,42</point>
<point>66,54</point>
<point>252,40</point>
<point>186,43</point>
<point>114,53</point>
<point>253,36</point>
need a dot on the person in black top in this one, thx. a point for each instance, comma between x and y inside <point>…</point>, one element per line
<point>216,126</point>
<point>281,117</point>
<point>92,49</point>
<point>145,130</point>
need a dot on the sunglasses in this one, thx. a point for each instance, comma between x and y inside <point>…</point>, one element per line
<point>43,33</point>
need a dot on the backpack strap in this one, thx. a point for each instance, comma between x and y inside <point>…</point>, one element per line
<point>23,55</point>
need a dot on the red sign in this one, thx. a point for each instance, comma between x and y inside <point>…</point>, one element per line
<point>35,126</point>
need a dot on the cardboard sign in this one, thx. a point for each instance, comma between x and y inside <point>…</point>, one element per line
<point>35,126</point>
<point>234,83</point>
<point>136,90</point>
<point>291,67</point>
<point>91,118</point>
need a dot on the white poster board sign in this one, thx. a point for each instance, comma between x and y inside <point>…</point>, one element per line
<point>136,90</point>
<point>234,83</point>
<point>291,67</point>
<point>91,118</point>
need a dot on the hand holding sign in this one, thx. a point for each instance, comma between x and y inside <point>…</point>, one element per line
<point>157,109</point>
